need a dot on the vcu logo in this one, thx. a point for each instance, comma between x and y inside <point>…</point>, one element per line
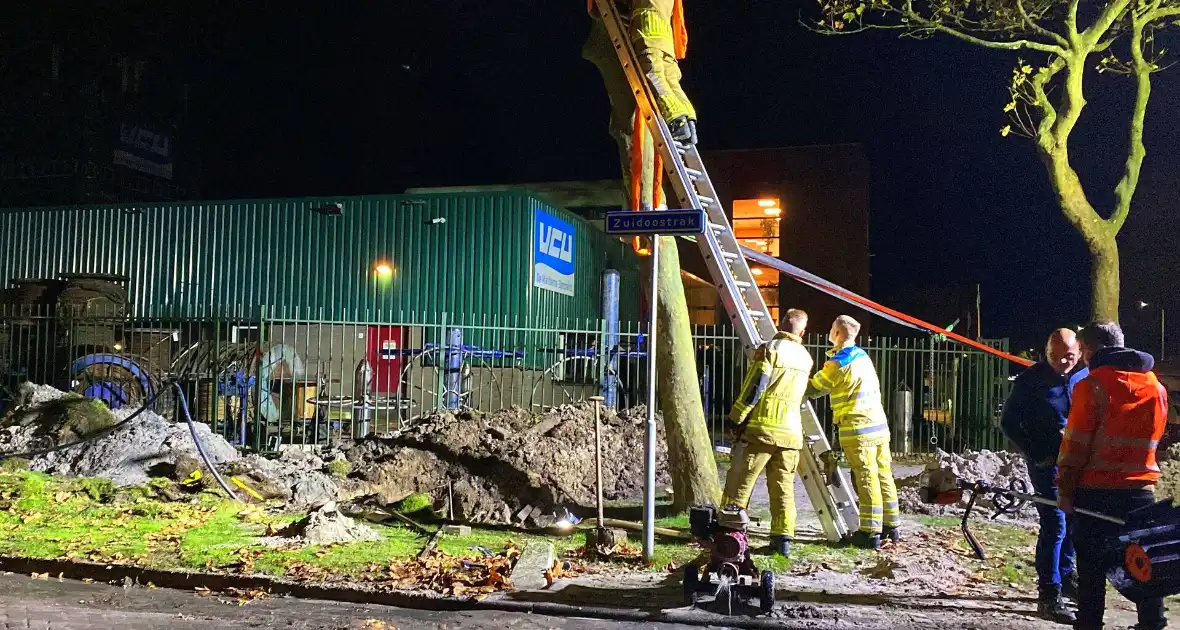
<point>556,243</point>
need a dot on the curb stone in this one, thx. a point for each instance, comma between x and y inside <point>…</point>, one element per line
<point>186,580</point>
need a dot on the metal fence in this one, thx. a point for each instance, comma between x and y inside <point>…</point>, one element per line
<point>266,379</point>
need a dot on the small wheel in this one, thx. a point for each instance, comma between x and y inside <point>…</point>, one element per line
<point>692,581</point>
<point>766,592</point>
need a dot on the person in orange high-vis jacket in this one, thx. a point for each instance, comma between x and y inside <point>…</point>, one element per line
<point>1107,462</point>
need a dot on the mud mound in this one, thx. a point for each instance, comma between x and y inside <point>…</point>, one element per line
<point>148,446</point>
<point>327,526</point>
<point>999,468</point>
<point>510,464</point>
<point>295,477</point>
<point>1169,483</point>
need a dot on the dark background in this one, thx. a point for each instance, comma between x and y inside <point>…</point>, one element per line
<point>309,98</point>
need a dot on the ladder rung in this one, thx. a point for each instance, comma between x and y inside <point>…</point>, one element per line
<point>729,256</point>
<point>742,284</point>
<point>706,201</point>
<point>755,314</point>
<point>693,173</point>
<point>717,227</point>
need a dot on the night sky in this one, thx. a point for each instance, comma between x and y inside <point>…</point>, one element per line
<point>307,98</point>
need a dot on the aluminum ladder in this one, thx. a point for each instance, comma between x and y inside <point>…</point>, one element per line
<point>835,504</point>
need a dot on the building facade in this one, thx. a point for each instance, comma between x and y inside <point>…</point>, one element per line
<point>502,255</point>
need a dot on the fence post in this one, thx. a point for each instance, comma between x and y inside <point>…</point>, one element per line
<point>608,354</point>
<point>260,426</point>
<point>454,368</point>
<point>440,363</point>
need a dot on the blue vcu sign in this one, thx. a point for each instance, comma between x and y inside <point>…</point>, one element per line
<point>553,254</point>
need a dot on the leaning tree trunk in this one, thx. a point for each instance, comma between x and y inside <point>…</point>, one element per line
<point>1104,278</point>
<point>690,452</point>
<point>1099,234</point>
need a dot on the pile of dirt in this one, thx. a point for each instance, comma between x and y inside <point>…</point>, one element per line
<point>999,468</point>
<point>325,525</point>
<point>148,446</point>
<point>505,467</point>
<point>295,477</point>
<point>509,466</point>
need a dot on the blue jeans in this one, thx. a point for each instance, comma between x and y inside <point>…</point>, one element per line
<point>1055,544</point>
<point>1092,537</point>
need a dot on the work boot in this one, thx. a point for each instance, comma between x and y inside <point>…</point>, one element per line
<point>1050,606</point>
<point>892,534</point>
<point>780,545</point>
<point>1069,586</point>
<point>681,129</point>
<point>865,540</point>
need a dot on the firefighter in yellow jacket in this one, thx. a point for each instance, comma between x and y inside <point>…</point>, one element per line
<point>769,427</point>
<point>660,38</point>
<point>849,376</point>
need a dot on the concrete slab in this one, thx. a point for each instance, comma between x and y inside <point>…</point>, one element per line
<point>529,572</point>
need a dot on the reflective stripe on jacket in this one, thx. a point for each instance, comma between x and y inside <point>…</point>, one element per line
<point>1114,427</point>
<point>772,392</point>
<point>658,20</point>
<point>851,379</point>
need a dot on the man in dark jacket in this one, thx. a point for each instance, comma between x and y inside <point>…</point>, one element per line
<point>1034,417</point>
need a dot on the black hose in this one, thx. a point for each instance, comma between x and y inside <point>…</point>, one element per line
<point>192,429</point>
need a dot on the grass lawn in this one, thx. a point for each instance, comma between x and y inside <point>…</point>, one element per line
<point>87,519</point>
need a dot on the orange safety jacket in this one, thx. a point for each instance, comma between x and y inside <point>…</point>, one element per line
<point>1115,423</point>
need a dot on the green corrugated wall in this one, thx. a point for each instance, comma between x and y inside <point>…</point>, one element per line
<point>231,258</point>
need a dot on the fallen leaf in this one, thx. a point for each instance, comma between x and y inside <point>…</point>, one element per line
<point>62,497</point>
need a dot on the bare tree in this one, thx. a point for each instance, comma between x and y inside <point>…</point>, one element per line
<point>1067,40</point>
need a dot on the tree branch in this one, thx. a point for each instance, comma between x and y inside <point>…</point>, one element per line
<point>1045,138</point>
<point>1112,13</point>
<point>1162,13</point>
<point>1136,152</point>
<point>1018,44</point>
<point>1071,20</point>
<point>1037,28</point>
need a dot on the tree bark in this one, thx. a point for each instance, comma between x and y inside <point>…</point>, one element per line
<point>690,450</point>
<point>1098,233</point>
<point>1104,278</point>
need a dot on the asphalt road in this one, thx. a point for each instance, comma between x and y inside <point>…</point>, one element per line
<point>52,605</point>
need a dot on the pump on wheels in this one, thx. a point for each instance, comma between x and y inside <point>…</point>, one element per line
<point>729,571</point>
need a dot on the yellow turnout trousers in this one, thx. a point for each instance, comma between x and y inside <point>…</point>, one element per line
<point>747,461</point>
<point>872,471</point>
<point>652,38</point>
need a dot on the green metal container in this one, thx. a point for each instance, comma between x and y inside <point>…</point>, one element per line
<point>375,258</point>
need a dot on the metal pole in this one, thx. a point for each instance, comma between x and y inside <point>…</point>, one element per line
<point>453,362</point>
<point>607,354</point>
<point>649,450</point>
<point>598,454</point>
